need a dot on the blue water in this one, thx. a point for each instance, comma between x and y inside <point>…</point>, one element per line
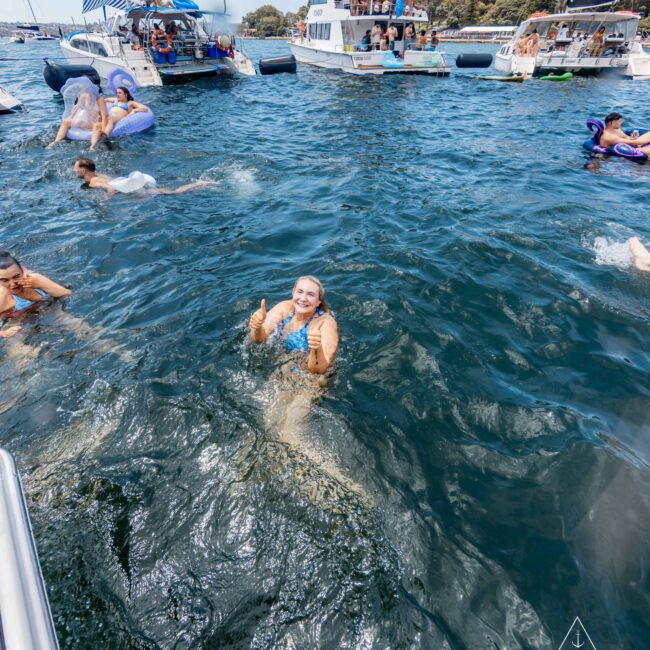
<point>491,397</point>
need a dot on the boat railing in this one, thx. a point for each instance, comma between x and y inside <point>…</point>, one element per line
<point>384,9</point>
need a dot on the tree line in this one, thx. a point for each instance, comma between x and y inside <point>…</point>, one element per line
<point>269,21</point>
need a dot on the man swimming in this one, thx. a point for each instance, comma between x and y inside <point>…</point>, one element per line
<point>85,168</point>
<point>614,134</point>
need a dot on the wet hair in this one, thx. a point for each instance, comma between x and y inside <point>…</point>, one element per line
<point>612,117</point>
<point>7,260</point>
<point>86,163</point>
<point>321,290</point>
<point>125,90</point>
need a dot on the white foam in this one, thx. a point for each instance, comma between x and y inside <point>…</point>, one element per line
<point>612,253</point>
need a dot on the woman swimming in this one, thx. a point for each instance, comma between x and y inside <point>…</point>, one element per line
<point>21,290</point>
<point>303,323</point>
<point>124,105</point>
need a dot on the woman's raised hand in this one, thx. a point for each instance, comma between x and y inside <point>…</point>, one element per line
<point>314,336</point>
<point>258,318</point>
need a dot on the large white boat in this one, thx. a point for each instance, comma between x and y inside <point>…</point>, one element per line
<point>566,43</point>
<point>30,34</point>
<point>183,48</point>
<point>336,37</point>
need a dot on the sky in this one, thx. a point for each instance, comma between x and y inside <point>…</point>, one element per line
<point>51,11</point>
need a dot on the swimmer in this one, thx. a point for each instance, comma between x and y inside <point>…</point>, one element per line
<point>614,134</point>
<point>640,254</point>
<point>88,113</point>
<point>86,169</point>
<point>20,290</point>
<point>123,105</point>
<point>303,323</point>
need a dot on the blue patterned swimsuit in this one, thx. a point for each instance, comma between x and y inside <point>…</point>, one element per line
<point>295,340</point>
<point>22,305</point>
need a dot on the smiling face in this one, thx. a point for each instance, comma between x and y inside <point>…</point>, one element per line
<point>9,277</point>
<point>121,95</point>
<point>306,297</point>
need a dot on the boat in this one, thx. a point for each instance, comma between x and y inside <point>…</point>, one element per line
<point>518,78</point>
<point>334,39</point>
<point>566,45</point>
<point>24,608</point>
<point>192,51</point>
<point>30,34</point>
<point>9,104</point>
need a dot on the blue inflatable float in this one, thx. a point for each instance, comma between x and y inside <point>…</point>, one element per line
<point>80,94</point>
<point>622,149</point>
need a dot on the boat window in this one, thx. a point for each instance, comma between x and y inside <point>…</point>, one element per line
<point>326,31</point>
<point>319,2</point>
<point>97,48</point>
<point>80,44</point>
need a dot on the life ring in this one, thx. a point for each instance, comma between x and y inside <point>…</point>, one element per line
<point>622,149</point>
<point>129,125</point>
<point>160,48</point>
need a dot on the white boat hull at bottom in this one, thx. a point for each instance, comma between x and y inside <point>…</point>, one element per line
<point>363,63</point>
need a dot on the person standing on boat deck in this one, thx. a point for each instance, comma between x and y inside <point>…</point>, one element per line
<point>375,36</point>
<point>434,40</point>
<point>422,40</point>
<point>597,41</point>
<point>409,36</point>
<point>21,289</point>
<point>392,35</point>
<point>376,7</point>
<point>365,41</point>
<point>532,44</point>
<point>383,44</point>
<point>385,7</point>
<point>302,324</point>
<point>301,28</point>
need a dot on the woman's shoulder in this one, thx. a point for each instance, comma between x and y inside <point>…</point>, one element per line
<point>325,317</point>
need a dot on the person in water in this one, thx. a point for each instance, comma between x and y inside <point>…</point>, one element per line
<point>88,113</point>
<point>303,323</point>
<point>123,105</point>
<point>86,169</point>
<point>614,134</point>
<point>640,254</point>
<point>20,290</point>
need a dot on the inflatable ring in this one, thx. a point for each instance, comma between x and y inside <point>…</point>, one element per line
<point>622,149</point>
<point>134,182</point>
<point>119,77</point>
<point>129,125</point>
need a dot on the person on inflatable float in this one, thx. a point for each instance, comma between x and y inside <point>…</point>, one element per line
<point>302,324</point>
<point>124,105</point>
<point>613,134</point>
<point>88,113</point>
<point>21,289</point>
<point>85,169</point>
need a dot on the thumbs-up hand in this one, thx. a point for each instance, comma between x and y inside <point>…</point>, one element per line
<point>314,335</point>
<point>258,318</point>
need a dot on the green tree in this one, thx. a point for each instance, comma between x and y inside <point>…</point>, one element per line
<point>266,21</point>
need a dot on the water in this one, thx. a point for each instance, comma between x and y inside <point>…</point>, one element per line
<point>490,399</point>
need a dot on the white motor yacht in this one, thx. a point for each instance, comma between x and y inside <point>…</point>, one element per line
<point>151,57</point>
<point>566,44</point>
<point>30,34</point>
<point>336,37</point>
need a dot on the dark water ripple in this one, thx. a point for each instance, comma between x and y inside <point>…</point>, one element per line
<point>491,397</point>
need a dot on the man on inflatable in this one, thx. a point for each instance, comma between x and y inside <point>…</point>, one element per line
<point>613,134</point>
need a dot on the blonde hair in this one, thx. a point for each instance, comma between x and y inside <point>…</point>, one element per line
<point>321,290</point>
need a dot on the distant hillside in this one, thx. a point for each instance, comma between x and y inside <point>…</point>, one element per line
<point>50,28</point>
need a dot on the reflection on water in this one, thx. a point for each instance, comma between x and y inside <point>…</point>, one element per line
<point>473,474</point>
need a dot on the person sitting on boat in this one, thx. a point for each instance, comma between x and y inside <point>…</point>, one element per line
<point>376,7</point>
<point>86,169</point>
<point>303,324</point>
<point>21,290</point>
<point>135,37</point>
<point>613,134</point>
<point>172,30</point>
<point>597,41</point>
<point>88,113</point>
<point>532,44</point>
<point>124,105</point>
<point>160,41</point>
<point>640,254</point>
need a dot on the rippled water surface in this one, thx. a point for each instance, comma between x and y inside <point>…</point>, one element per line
<point>475,472</point>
